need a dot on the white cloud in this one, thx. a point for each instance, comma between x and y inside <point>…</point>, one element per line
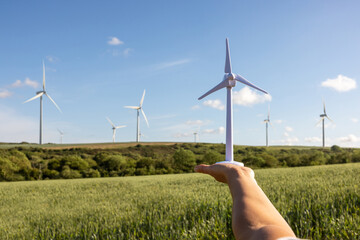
<point>195,107</point>
<point>350,138</point>
<point>248,97</point>
<point>51,58</point>
<point>290,140</point>
<point>4,93</point>
<point>182,135</point>
<point>219,130</point>
<point>289,129</point>
<point>340,84</point>
<point>115,41</point>
<point>312,139</point>
<point>195,122</point>
<point>286,134</point>
<point>127,51</point>
<point>217,104</point>
<point>354,120</point>
<point>171,64</point>
<point>27,82</point>
<point>279,121</point>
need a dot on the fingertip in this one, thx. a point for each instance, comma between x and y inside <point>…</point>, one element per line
<point>200,168</point>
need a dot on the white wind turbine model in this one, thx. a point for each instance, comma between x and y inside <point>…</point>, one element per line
<point>40,94</point>
<point>267,121</point>
<point>229,81</point>
<point>323,116</point>
<point>61,135</point>
<point>138,109</point>
<point>114,128</point>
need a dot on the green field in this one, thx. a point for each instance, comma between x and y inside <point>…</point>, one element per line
<point>320,202</point>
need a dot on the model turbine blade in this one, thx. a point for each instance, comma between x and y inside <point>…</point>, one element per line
<point>132,107</point>
<point>143,113</point>
<point>110,122</point>
<point>246,82</point>
<point>142,99</point>
<point>37,96</point>
<point>227,60</point>
<point>122,126</point>
<point>221,85</point>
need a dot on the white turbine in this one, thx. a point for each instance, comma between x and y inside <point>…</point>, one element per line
<point>267,121</point>
<point>61,135</point>
<point>138,109</point>
<point>322,119</point>
<point>229,81</point>
<point>40,94</point>
<point>114,128</point>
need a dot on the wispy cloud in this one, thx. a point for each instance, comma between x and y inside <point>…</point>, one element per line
<point>195,107</point>
<point>217,104</point>
<point>278,121</point>
<point>248,97</point>
<point>52,59</point>
<point>312,139</point>
<point>127,51</point>
<point>219,130</point>
<point>289,141</point>
<point>115,41</point>
<point>350,138</point>
<point>354,120</point>
<point>289,129</point>
<point>26,82</point>
<point>194,122</point>
<point>340,84</point>
<point>171,64</point>
<point>4,93</point>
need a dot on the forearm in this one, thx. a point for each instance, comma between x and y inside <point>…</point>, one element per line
<point>254,216</point>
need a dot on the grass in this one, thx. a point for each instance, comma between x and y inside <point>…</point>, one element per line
<point>320,202</point>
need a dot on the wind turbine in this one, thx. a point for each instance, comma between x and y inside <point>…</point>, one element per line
<point>40,94</point>
<point>323,116</point>
<point>228,82</point>
<point>114,128</point>
<point>267,121</point>
<point>138,109</point>
<point>61,135</point>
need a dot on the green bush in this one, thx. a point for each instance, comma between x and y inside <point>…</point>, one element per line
<point>184,160</point>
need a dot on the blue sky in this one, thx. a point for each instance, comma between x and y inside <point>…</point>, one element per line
<point>100,56</point>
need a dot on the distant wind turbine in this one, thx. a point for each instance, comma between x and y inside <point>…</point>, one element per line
<point>322,119</point>
<point>114,128</point>
<point>40,94</point>
<point>61,135</point>
<point>138,109</point>
<point>267,121</point>
<point>229,81</point>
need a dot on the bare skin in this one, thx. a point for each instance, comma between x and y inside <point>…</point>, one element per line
<point>253,215</point>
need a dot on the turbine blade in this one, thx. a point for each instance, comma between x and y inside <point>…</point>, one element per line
<point>214,89</point>
<point>142,111</point>
<point>43,76</point>
<point>246,82</point>
<point>53,102</point>
<point>37,96</point>
<point>324,108</point>
<point>60,132</point>
<point>329,119</point>
<point>319,121</point>
<point>142,99</point>
<point>132,107</point>
<point>120,126</point>
<point>227,60</point>
<point>110,121</point>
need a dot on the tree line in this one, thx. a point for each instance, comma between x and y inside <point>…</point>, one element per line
<point>35,163</point>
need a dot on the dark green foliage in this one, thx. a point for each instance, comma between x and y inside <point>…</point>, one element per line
<point>29,163</point>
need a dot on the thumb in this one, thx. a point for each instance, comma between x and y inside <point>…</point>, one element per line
<point>202,168</point>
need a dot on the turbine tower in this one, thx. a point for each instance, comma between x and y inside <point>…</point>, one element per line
<point>138,109</point>
<point>40,94</point>
<point>114,128</point>
<point>61,135</point>
<point>322,119</point>
<point>228,82</point>
<point>267,121</point>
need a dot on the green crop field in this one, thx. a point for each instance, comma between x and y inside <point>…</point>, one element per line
<point>320,202</point>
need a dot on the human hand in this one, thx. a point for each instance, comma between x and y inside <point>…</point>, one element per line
<point>223,172</point>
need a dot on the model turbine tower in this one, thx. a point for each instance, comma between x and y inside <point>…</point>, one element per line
<point>138,109</point>
<point>229,82</point>
<point>40,94</point>
<point>323,116</point>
